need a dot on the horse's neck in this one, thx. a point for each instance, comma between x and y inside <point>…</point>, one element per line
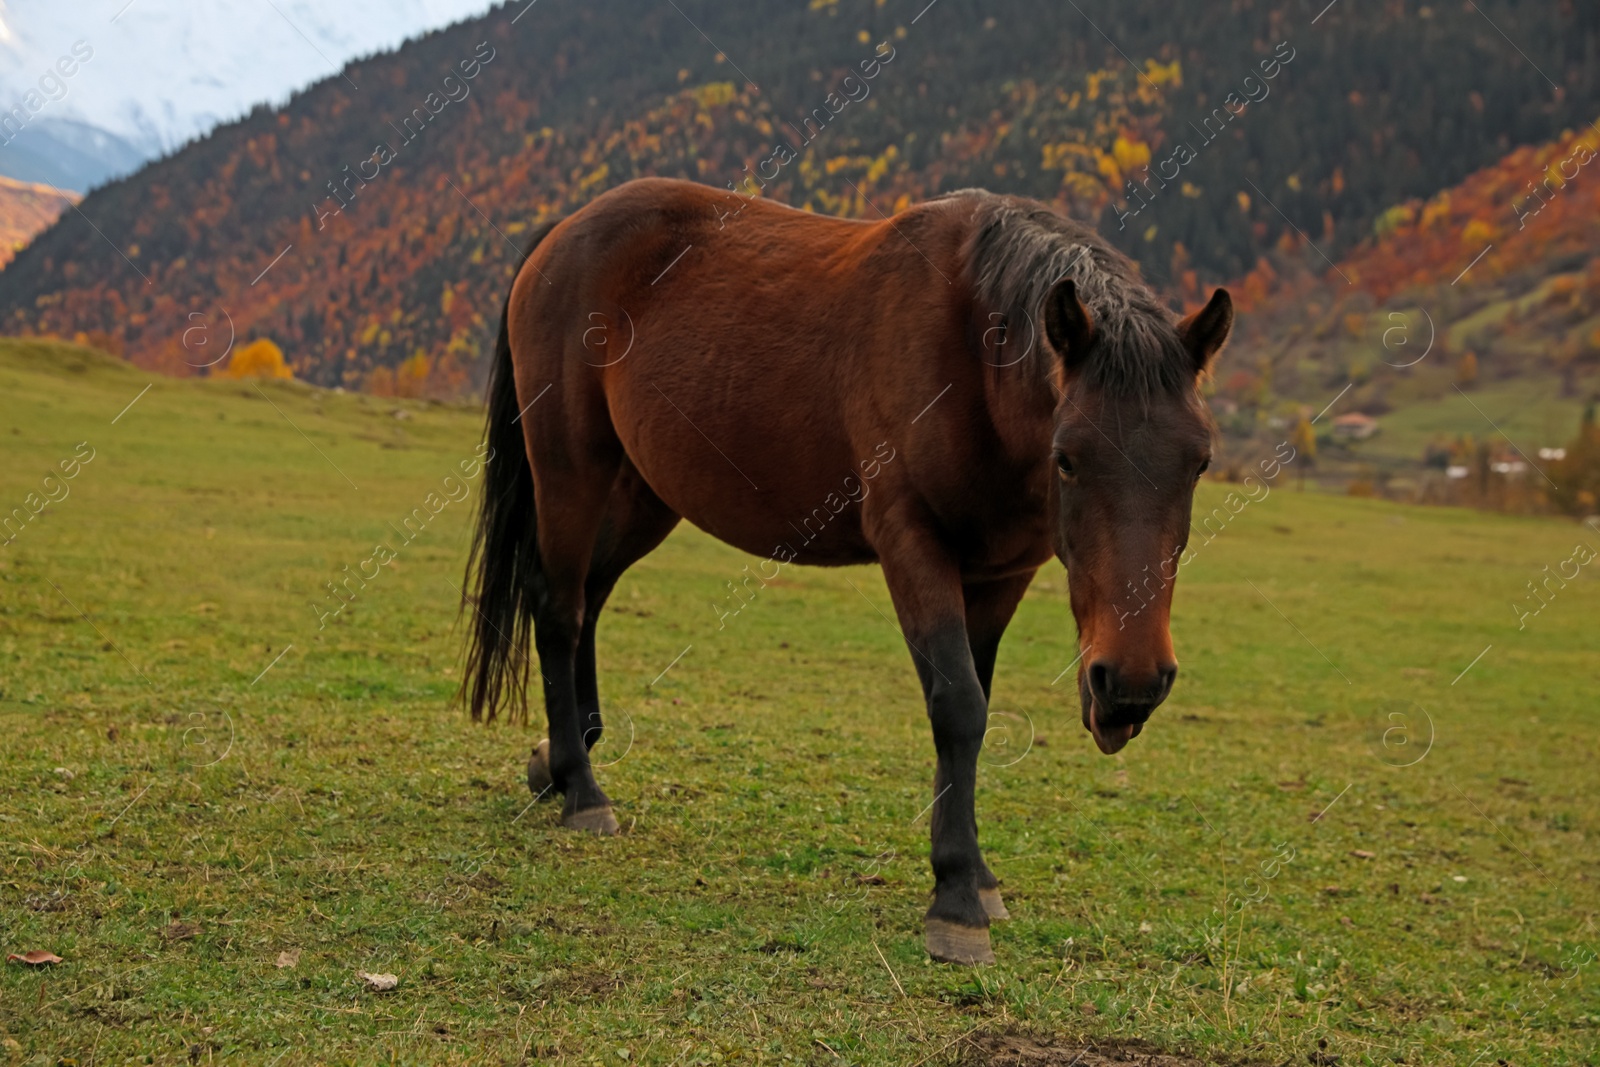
<point>1021,405</point>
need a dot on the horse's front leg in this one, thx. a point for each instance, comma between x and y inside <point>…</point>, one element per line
<point>990,605</point>
<point>926,586</point>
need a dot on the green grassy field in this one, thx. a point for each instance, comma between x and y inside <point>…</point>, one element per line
<point>1334,840</point>
<point>1528,410</point>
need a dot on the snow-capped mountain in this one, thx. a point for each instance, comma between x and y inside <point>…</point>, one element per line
<point>89,89</point>
<point>67,154</point>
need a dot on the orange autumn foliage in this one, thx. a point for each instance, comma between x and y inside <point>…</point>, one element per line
<point>258,359</point>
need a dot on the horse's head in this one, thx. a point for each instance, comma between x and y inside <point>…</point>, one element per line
<point>1132,437</point>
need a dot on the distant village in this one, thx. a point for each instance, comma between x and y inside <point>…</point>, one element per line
<point>1488,471</point>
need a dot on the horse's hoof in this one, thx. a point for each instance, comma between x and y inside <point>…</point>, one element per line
<point>539,780</point>
<point>950,942</point>
<point>595,820</point>
<point>990,899</point>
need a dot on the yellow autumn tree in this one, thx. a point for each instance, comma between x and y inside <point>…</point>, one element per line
<point>1130,154</point>
<point>1467,371</point>
<point>259,359</point>
<point>411,377</point>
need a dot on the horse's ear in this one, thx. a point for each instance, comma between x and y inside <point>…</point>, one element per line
<point>1067,324</point>
<point>1206,331</point>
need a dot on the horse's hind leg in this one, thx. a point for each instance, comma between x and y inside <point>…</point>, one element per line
<point>573,472</point>
<point>635,522</point>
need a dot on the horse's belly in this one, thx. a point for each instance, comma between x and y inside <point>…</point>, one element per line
<point>793,497</point>
<point>823,528</point>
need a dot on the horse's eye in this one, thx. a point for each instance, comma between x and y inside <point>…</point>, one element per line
<point>1205,465</point>
<point>1064,465</point>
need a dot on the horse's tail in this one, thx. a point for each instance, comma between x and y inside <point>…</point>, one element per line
<point>503,566</point>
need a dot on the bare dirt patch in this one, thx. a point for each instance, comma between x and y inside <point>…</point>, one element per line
<point>1033,1050</point>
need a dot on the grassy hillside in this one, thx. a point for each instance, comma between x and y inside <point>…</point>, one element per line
<point>1529,410</point>
<point>198,779</point>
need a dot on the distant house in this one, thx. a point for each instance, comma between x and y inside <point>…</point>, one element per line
<point>1354,426</point>
<point>1511,464</point>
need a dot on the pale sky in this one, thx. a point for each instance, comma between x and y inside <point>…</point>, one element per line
<point>163,71</point>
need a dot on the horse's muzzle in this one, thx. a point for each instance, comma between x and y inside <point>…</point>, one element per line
<point>1115,706</point>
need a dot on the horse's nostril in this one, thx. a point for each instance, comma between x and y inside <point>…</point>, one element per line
<point>1100,681</point>
<point>1168,675</point>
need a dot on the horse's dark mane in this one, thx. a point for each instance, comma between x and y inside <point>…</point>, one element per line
<point>1020,248</point>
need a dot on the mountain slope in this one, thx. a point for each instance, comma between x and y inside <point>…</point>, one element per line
<point>1470,318</point>
<point>392,280</point>
<point>25,209</point>
<point>1506,262</point>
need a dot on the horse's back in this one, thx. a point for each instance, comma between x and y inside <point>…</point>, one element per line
<point>756,358</point>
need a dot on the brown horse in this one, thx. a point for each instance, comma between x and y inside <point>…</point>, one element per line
<point>998,370</point>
